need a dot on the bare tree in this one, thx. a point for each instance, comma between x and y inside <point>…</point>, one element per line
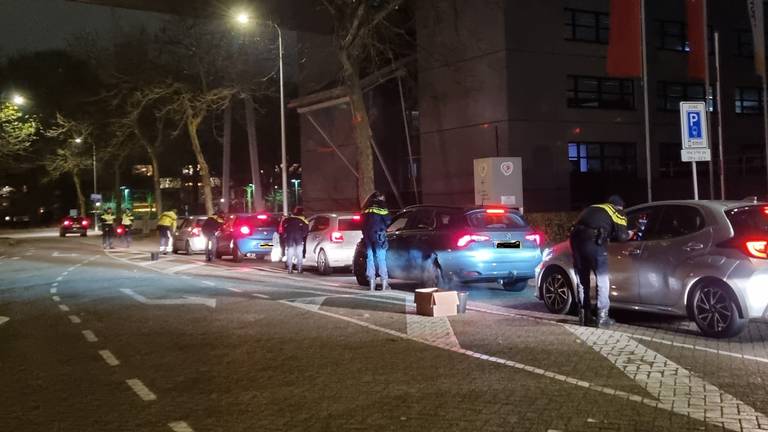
<point>72,157</point>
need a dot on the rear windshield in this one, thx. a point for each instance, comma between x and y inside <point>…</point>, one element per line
<point>483,220</point>
<point>349,224</point>
<point>255,222</point>
<point>749,221</point>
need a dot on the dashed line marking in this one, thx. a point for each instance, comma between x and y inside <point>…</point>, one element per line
<point>260,295</point>
<point>180,426</point>
<point>65,273</point>
<point>59,278</point>
<point>55,284</point>
<point>56,298</point>
<point>208,283</point>
<point>53,290</point>
<point>64,308</point>
<point>235,290</point>
<point>28,254</point>
<point>70,269</point>
<point>141,390</point>
<point>15,258</point>
<point>74,319</point>
<point>89,336</point>
<point>109,357</point>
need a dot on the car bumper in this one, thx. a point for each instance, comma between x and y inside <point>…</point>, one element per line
<point>753,291</point>
<point>256,247</point>
<point>489,265</point>
<point>74,230</point>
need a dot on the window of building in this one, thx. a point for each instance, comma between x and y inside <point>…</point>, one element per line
<point>586,26</point>
<point>748,100</point>
<point>672,36</point>
<point>672,93</point>
<point>596,92</point>
<point>670,161</point>
<point>744,45</point>
<point>600,157</point>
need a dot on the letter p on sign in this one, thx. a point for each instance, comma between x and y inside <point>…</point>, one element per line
<point>694,125</point>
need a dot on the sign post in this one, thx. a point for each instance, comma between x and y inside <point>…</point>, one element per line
<point>695,137</point>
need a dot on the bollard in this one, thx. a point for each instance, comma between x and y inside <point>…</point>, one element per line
<point>462,306</point>
<point>154,256</point>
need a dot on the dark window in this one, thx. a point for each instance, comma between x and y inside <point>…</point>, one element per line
<point>399,222</point>
<point>670,162</point>
<point>586,26</point>
<point>422,219</point>
<point>672,93</point>
<point>258,221</point>
<point>596,92</point>
<point>672,36</point>
<point>749,221</point>
<point>484,220</point>
<point>748,100</point>
<point>320,223</point>
<point>644,222</point>
<point>350,224</point>
<point>678,221</point>
<point>744,44</point>
<point>448,220</point>
<point>590,157</point>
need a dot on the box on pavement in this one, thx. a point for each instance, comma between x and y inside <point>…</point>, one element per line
<point>436,302</point>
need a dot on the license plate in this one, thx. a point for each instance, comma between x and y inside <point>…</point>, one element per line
<point>266,245</point>
<point>75,226</point>
<point>508,245</point>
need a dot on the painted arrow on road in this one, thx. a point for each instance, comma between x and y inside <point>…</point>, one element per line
<point>3,320</point>
<point>182,301</point>
<point>56,253</point>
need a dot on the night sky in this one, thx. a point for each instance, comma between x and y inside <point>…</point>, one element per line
<point>31,25</point>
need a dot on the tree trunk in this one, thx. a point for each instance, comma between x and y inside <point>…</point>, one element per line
<point>362,129</point>
<point>156,181</point>
<point>205,175</point>
<point>80,197</point>
<point>253,146</point>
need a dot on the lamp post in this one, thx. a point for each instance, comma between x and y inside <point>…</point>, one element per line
<point>243,19</point>
<point>18,99</point>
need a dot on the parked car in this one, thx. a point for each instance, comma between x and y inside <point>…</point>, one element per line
<point>189,236</point>
<point>705,260</point>
<point>437,245</point>
<point>332,240</point>
<point>247,235</point>
<point>74,225</point>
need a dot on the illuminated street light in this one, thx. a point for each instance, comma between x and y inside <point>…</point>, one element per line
<point>78,140</point>
<point>19,99</point>
<point>243,18</point>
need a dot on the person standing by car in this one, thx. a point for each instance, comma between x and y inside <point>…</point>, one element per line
<point>375,221</point>
<point>166,225</point>
<point>107,228</point>
<point>210,227</point>
<point>595,227</point>
<point>127,222</point>
<point>295,231</point>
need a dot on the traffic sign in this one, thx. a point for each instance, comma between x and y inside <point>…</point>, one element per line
<point>693,122</point>
<point>95,197</point>
<point>695,155</point>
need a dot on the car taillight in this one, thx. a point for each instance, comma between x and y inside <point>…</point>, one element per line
<point>356,217</point>
<point>85,222</point>
<point>262,217</point>
<point>67,222</point>
<point>245,230</point>
<point>495,211</point>
<point>469,238</point>
<point>337,237</point>
<point>196,231</point>
<point>534,238</point>
<point>757,248</point>
<point>120,229</point>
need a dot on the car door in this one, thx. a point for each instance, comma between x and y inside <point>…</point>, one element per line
<point>224,237</point>
<point>397,253</point>
<point>681,235</point>
<point>418,239</point>
<point>318,227</point>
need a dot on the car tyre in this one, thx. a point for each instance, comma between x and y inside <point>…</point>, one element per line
<point>715,311</point>
<point>323,266</point>
<point>557,292</point>
<point>515,285</point>
<point>237,256</point>
<point>83,234</point>
<point>61,234</point>
<point>359,266</point>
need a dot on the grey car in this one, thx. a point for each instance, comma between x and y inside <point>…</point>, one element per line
<point>705,260</point>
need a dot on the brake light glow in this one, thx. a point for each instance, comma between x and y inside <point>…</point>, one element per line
<point>262,217</point>
<point>356,217</point>
<point>196,231</point>
<point>67,222</point>
<point>245,230</point>
<point>469,238</point>
<point>534,238</point>
<point>757,248</point>
<point>85,222</point>
<point>337,237</point>
<point>120,229</point>
<point>495,211</point>
<point>765,210</point>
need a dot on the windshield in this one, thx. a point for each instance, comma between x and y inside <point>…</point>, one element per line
<point>484,220</point>
<point>749,221</point>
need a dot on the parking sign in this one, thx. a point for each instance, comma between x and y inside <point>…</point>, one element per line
<point>693,125</point>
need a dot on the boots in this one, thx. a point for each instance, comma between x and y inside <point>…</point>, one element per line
<point>385,285</point>
<point>586,318</point>
<point>372,284</point>
<point>603,320</point>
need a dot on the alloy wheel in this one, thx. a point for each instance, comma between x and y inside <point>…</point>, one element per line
<point>713,309</point>
<point>556,292</point>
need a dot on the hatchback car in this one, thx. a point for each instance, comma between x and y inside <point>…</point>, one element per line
<point>74,225</point>
<point>332,240</point>
<point>705,260</point>
<point>247,235</point>
<point>189,236</point>
<point>437,245</point>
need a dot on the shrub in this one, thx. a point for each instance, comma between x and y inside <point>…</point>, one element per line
<point>554,225</point>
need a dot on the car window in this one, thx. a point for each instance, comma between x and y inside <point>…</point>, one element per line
<point>448,220</point>
<point>258,221</point>
<point>643,222</point>
<point>751,221</point>
<point>679,221</point>
<point>319,223</point>
<point>399,222</point>
<point>350,224</point>
<point>184,224</point>
<point>484,219</point>
<point>422,219</point>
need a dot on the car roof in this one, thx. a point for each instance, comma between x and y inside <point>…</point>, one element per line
<point>336,214</point>
<point>710,204</point>
<point>465,209</point>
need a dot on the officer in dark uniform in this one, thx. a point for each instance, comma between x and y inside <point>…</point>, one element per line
<point>595,227</point>
<point>375,221</point>
<point>209,228</point>
<point>107,228</point>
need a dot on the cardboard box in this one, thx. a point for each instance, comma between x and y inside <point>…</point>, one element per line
<point>436,302</point>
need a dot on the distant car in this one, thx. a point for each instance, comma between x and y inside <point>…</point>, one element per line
<point>705,260</point>
<point>332,240</point>
<point>437,245</point>
<point>74,225</point>
<point>189,237</point>
<point>247,235</point>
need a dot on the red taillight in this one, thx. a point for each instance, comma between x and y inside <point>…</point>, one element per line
<point>337,237</point>
<point>757,248</point>
<point>120,229</point>
<point>469,238</point>
<point>67,222</point>
<point>534,238</point>
<point>765,210</point>
<point>262,217</point>
<point>196,231</point>
<point>356,217</point>
<point>495,211</point>
<point>85,222</point>
<point>245,230</point>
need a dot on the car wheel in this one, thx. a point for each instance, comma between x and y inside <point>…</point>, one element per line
<point>715,312</point>
<point>237,256</point>
<point>61,234</point>
<point>323,266</point>
<point>358,267</point>
<point>514,285</point>
<point>85,234</point>
<point>187,248</point>
<point>556,291</point>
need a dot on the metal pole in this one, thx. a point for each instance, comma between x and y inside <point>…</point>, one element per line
<point>646,107</point>
<point>719,117</point>
<point>94,167</point>
<point>408,141</point>
<point>765,122</point>
<point>227,157</point>
<point>695,182</point>
<point>282,122</point>
<point>706,98</point>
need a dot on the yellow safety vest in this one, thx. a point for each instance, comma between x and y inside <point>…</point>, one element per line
<point>616,217</point>
<point>108,219</point>
<point>127,219</point>
<point>167,219</point>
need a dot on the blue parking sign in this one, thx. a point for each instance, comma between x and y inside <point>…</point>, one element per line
<point>694,127</point>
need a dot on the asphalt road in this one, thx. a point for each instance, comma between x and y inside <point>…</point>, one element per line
<point>97,341</point>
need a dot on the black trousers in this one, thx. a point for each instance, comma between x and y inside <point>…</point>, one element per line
<point>588,259</point>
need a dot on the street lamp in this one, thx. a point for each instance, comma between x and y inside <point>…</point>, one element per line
<point>18,99</point>
<point>243,18</point>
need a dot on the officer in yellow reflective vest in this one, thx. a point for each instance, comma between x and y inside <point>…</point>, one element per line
<point>166,225</point>
<point>595,227</point>
<point>107,228</point>
<point>375,221</point>
<point>127,222</point>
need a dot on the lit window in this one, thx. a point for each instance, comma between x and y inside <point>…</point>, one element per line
<point>597,92</point>
<point>593,157</point>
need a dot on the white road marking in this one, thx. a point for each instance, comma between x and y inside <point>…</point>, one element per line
<point>186,300</point>
<point>4,320</point>
<point>56,298</point>
<point>74,319</point>
<point>70,269</point>
<point>53,290</point>
<point>64,308</point>
<point>180,426</point>
<point>89,336</point>
<point>57,254</point>
<point>59,278</point>
<point>15,258</point>
<point>1,257</point>
<point>208,283</point>
<point>65,273</point>
<point>28,254</point>
<point>109,358</point>
<point>183,267</point>
<point>235,290</point>
<point>260,295</point>
<point>141,390</point>
<point>55,284</point>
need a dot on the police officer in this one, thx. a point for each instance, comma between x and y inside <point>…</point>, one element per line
<point>166,225</point>
<point>595,227</point>
<point>127,222</point>
<point>295,230</point>
<point>210,227</point>
<point>107,228</point>
<point>376,219</point>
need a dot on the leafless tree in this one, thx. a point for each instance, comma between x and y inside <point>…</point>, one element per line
<point>72,156</point>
